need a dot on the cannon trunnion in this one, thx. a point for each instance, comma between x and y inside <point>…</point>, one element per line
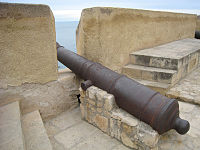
<point>160,112</point>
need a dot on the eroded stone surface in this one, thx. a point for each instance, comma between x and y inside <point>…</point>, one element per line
<point>51,98</point>
<point>138,135</point>
<point>27,44</point>
<point>116,122</point>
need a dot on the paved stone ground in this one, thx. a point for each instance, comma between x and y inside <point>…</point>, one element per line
<point>190,141</point>
<point>69,132</point>
<point>187,89</point>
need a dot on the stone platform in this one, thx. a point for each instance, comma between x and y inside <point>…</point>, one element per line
<point>69,132</point>
<point>163,66</point>
<point>188,89</point>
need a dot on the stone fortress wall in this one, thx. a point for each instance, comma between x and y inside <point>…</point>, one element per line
<point>28,62</point>
<point>198,23</point>
<point>27,44</point>
<point>109,35</point>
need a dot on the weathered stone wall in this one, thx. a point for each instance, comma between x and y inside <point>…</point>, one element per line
<point>108,35</point>
<point>198,24</point>
<point>27,44</point>
<point>50,99</point>
<point>99,108</point>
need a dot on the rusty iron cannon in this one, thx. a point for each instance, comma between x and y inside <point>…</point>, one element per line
<point>160,112</point>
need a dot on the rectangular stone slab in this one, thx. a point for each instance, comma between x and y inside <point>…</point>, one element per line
<point>150,73</point>
<point>172,55</point>
<point>11,136</point>
<point>34,132</point>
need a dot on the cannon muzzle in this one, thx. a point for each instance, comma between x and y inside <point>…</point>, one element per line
<point>160,112</point>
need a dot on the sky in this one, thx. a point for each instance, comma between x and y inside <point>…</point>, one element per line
<point>70,10</point>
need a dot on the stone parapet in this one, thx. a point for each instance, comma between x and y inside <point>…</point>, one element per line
<point>108,35</point>
<point>27,44</point>
<point>198,24</point>
<point>99,108</point>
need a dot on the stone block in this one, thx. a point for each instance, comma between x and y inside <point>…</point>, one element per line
<point>101,122</point>
<point>28,44</point>
<point>90,101</point>
<point>100,104</point>
<point>176,54</point>
<point>150,73</point>
<point>100,95</point>
<point>127,141</point>
<point>147,135</point>
<point>109,102</point>
<point>99,110</point>
<point>115,129</point>
<point>91,93</point>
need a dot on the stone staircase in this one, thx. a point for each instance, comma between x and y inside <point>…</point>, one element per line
<point>22,132</point>
<point>163,66</point>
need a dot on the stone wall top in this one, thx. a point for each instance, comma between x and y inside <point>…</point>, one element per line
<point>109,35</point>
<point>27,44</point>
<point>23,10</point>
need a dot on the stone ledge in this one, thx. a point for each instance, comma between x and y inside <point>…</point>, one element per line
<point>99,109</point>
<point>50,99</point>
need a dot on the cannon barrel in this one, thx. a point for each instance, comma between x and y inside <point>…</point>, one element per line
<point>160,112</point>
<point>197,34</point>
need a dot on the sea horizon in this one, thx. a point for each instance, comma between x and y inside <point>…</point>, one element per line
<point>66,36</point>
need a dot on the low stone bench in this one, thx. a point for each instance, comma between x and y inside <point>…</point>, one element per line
<point>99,108</point>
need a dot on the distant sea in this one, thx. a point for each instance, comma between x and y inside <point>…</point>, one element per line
<point>66,36</point>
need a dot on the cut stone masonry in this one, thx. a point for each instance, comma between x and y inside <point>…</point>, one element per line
<point>99,109</point>
<point>163,66</point>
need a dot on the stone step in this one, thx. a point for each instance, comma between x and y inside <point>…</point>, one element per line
<point>157,86</point>
<point>11,136</point>
<point>150,73</point>
<point>34,132</point>
<point>174,55</point>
